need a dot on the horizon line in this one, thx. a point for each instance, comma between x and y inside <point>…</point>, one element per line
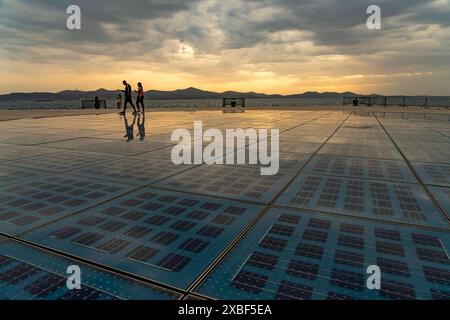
<point>222,92</point>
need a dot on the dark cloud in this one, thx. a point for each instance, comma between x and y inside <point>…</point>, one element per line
<point>333,22</point>
<point>255,35</point>
<point>243,23</point>
<point>44,21</point>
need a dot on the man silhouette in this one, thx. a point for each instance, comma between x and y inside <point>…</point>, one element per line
<point>128,98</point>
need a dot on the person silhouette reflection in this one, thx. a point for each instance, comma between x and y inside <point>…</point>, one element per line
<point>141,126</point>
<point>129,128</point>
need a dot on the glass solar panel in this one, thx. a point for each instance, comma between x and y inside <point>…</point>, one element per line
<point>163,244</point>
<point>413,261</point>
<point>15,152</point>
<point>443,197</point>
<point>365,151</point>
<point>372,199</point>
<point>29,203</point>
<point>437,174</point>
<point>436,152</point>
<point>27,273</point>
<point>62,161</point>
<point>10,175</point>
<point>361,168</point>
<point>108,146</point>
<point>241,182</point>
<point>366,208</point>
<point>144,170</point>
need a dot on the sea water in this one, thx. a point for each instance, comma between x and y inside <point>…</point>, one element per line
<point>201,103</point>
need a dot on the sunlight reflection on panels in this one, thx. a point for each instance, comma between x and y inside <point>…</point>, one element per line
<point>366,151</point>
<point>30,139</point>
<point>426,151</point>
<point>132,170</point>
<point>361,168</point>
<point>107,146</point>
<point>30,203</point>
<point>242,182</point>
<point>13,152</point>
<point>63,161</point>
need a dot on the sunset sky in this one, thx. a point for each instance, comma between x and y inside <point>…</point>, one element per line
<point>271,46</point>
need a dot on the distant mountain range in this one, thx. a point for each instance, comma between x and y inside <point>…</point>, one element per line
<point>189,93</point>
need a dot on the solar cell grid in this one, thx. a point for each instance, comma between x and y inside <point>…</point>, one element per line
<point>145,170</point>
<point>30,203</point>
<point>171,238</point>
<point>107,146</point>
<point>159,241</point>
<point>437,275</point>
<point>373,199</point>
<point>10,175</point>
<point>303,269</point>
<point>240,182</point>
<point>365,151</point>
<point>433,173</point>
<point>27,273</point>
<point>397,290</point>
<point>361,168</point>
<point>63,161</point>
<point>335,268</point>
<point>15,152</point>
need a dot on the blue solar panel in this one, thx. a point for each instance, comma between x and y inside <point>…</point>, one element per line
<point>354,204</point>
<point>63,161</point>
<point>413,261</point>
<point>28,273</point>
<point>168,243</point>
<point>437,174</point>
<point>443,197</point>
<point>30,203</point>
<point>386,170</point>
<point>241,182</point>
<point>361,150</point>
<point>10,175</point>
<point>146,170</point>
<point>375,199</point>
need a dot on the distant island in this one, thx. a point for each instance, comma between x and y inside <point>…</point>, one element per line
<point>181,94</point>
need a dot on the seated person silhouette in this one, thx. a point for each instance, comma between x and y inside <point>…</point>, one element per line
<point>96,103</point>
<point>129,128</point>
<point>141,126</point>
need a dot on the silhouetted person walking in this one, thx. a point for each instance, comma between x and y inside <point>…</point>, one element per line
<point>128,97</point>
<point>140,97</point>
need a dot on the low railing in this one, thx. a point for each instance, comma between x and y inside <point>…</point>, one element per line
<point>402,101</point>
